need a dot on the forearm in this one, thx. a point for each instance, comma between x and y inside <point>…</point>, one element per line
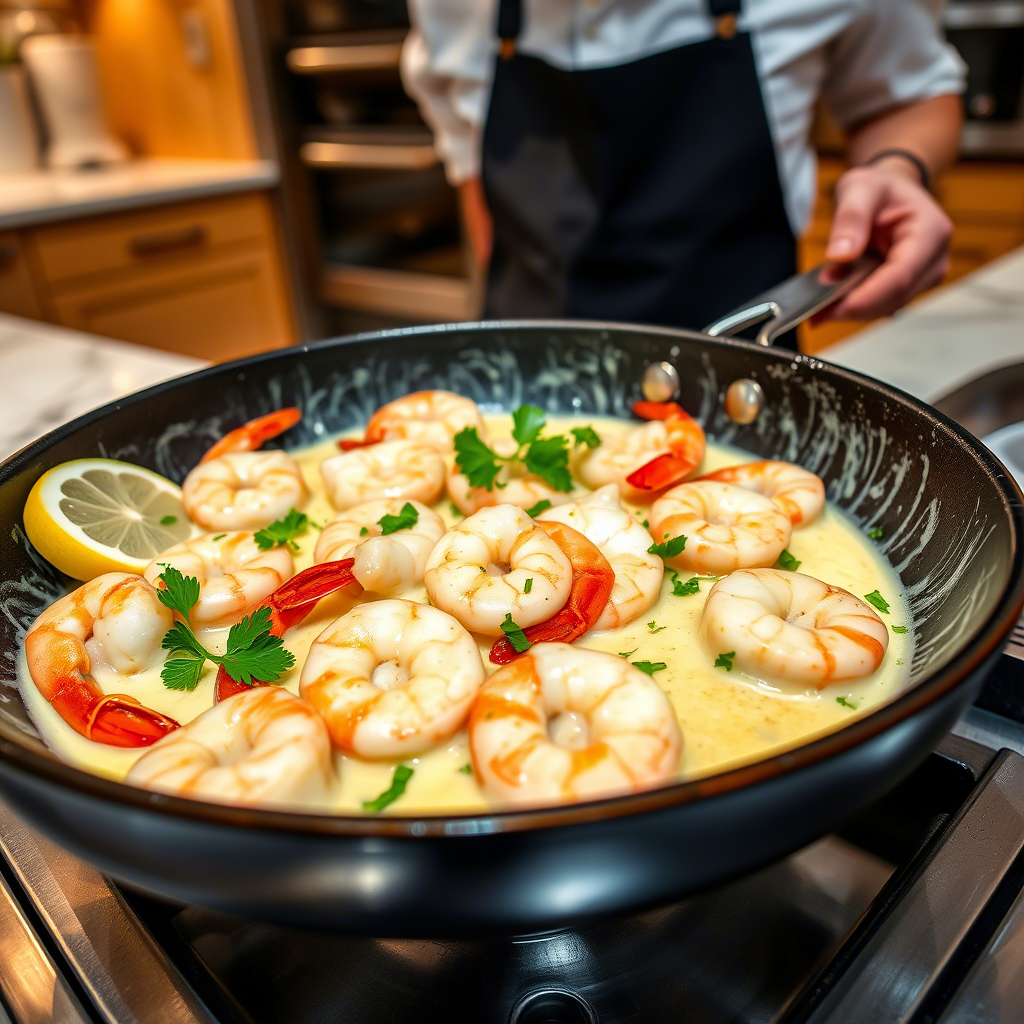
<point>930,129</point>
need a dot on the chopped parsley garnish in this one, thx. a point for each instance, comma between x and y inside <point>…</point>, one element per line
<point>546,457</point>
<point>398,782</point>
<point>516,637</point>
<point>670,548</point>
<point>788,562</point>
<point>253,653</point>
<point>655,628</point>
<point>466,769</point>
<point>168,520</point>
<point>535,510</point>
<point>900,629</point>
<point>628,654</point>
<point>405,520</point>
<point>282,531</point>
<point>847,703</point>
<point>363,531</point>
<point>877,533</point>
<point>876,600</point>
<point>528,585</point>
<point>725,660</point>
<point>587,436</point>
<point>220,536</point>
<point>454,509</point>
<point>649,667</point>
<point>681,589</point>
<point>646,525</point>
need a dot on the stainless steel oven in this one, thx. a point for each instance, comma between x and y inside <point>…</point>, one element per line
<point>989,34</point>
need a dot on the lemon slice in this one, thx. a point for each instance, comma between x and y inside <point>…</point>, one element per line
<point>93,516</point>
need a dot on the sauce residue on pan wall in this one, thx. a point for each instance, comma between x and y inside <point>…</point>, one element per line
<point>726,718</point>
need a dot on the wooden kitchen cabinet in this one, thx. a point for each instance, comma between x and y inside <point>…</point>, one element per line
<point>18,294</point>
<point>202,278</point>
<point>984,201</point>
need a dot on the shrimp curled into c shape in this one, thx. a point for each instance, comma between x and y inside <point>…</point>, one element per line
<point>796,491</point>
<point>726,527</point>
<point>391,469</point>
<point>262,746</point>
<point>431,417</point>
<point>564,723</point>
<point>235,575</point>
<point>790,627</point>
<point>115,620</point>
<point>392,678</point>
<point>478,571</point>
<point>382,564</point>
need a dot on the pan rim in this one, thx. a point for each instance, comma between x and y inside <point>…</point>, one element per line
<point>986,642</point>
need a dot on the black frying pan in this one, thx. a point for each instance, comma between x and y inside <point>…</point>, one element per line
<point>952,521</point>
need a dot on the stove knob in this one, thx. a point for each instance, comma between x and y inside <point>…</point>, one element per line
<point>552,1006</point>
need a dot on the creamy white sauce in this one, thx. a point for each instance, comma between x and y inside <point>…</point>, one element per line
<point>725,717</point>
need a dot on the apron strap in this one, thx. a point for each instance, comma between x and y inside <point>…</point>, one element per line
<point>725,13</point>
<point>510,24</point>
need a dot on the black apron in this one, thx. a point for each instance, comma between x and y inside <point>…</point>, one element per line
<point>645,192</point>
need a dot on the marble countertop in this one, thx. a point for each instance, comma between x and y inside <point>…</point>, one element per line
<point>958,333</point>
<point>28,198</point>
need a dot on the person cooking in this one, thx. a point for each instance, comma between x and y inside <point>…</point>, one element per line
<point>650,160</point>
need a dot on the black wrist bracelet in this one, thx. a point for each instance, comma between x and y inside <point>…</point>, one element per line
<point>913,158</point>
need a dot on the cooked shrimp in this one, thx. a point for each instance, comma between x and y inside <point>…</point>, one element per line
<point>514,485</point>
<point>564,723</point>
<point>478,571</point>
<point>391,469</point>
<point>115,620</point>
<point>726,527</point>
<point>242,491</point>
<point>234,575</point>
<point>791,627</point>
<point>392,678</point>
<point>601,518</point>
<point>648,458</point>
<point>264,746</point>
<point>797,492</point>
<point>431,417</point>
<point>592,582</point>
<point>249,436</point>
<point>384,564</point>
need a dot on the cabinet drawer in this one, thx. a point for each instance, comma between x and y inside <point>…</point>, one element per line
<point>17,292</point>
<point>70,252</point>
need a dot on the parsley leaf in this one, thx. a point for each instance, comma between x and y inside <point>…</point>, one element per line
<point>182,673</point>
<point>475,459</point>
<point>282,531</point>
<point>528,586</point>
<point>220,536</point>
<point>363,531</point>
<point>535,510</point>
<point>628,654</point>
<point>847,703</point>
<point>179,593</point>
<point>587,436</point>
<point>681,589</point>
<point>877,533</point>
<point>168,520</point>
<point>655,628</point>
<point>405,520</point>
<point>455,510</point>
<point>788,562</point>
<point>879,602</point>
<point>649,667</point>
<point>900,629</point>
<point>725,660</point>
<point>398,781</point>
<point>548,458</point>
<point>466,769</point>
<point>670,548</point>
<point>516,637</point>
<point>253,652</point>
<point>527,423</point>
<point>179,639</point>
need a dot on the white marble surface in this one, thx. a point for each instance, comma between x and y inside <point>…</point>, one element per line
<point>43,196</point>
<point>54,375</point>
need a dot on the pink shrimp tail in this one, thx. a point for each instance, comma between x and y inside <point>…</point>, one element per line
<point>686,441</point>
<point>251,435</point>
<point>290,604</point>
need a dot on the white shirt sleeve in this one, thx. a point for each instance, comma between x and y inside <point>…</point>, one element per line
<point>893,53</point>
<point>447,67</point>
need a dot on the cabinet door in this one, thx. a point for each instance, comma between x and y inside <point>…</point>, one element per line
<point>17,291</point>
<point>218,307</point>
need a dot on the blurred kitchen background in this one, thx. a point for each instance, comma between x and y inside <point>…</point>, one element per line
<point>220,177</point>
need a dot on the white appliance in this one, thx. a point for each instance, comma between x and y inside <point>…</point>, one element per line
<point>66,84</point>
<point>19,147</point>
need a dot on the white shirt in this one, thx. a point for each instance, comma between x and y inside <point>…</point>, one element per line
<point>864,56</point>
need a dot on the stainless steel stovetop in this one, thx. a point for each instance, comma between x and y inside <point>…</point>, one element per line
<point>915,913</point>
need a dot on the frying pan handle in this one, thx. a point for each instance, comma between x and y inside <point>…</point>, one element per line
<point>790,303</point>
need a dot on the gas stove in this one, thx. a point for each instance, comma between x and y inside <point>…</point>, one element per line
<point>913,913</point>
